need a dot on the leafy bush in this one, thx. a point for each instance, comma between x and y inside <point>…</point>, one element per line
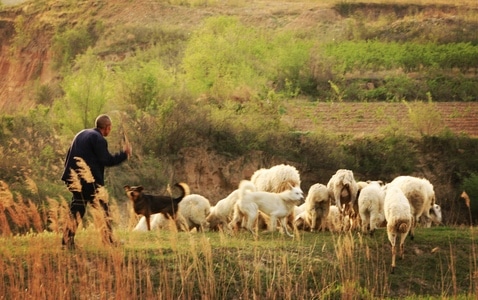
<point>452,88</point>
<point>22,36</point>
<point>69,43</point>
<point>85,93</point>
<point>425,118</point>
<point>145,85</point>
<point>383,157</point>
<point>29,149</point>
<point>225,55</point>
<point>148,42</point>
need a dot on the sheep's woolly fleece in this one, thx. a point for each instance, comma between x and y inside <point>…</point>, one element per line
<point>276,179</point>
<point>419,192</point>
<point>370,203</point>
<point>343,188</point>
<point>193,211</point>
<point>399,218</point>
<point>317,205</point>
<point>222,212</point>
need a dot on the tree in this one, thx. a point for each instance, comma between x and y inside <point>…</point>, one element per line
<point>85,90</point>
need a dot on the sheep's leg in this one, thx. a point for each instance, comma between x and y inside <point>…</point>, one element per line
<point>290,221</point>
<point>273,223</point>
<point>337,199</point>
<point>412,228</point>
<point>148,222</point>
<point>402,245</point>
<point>392,238</point>
<point>237,217</point>
<point>284,226</point>
<point>322,224</point>
<point>252,216</point>
<point>313,215</point>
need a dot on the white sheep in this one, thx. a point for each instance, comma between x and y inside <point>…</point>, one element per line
<point>277,179</point>
<point>221,213</point>
<point>298,209</point>
<point>343,189</point>
<point>316,210</point>
<point>277,206</point>
<point>435,217</point>
<point>420,194</point>
<point>192,213</point>
<point>370,204</point>
<point>335,220</point>
<point>158,221</point>
<point>399,218</point>
<point>360,186</point>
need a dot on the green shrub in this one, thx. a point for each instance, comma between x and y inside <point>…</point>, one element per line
<point>452,88</point>
<point>425,117</point>
<point>22,35</point>
<point>145,85</point>
<point>85,93</point>
<point>224,55</point>
<point>383,157</point>
<point>173,125</point>
<point>68,44</point>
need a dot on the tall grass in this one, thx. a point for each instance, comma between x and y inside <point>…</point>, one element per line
<point>168,265</point>
<point>439,263</point>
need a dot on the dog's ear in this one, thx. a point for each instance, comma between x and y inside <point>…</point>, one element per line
<point>139,188</point>
<point>127,187</point>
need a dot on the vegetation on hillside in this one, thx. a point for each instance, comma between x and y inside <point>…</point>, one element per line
<point>223,82</point>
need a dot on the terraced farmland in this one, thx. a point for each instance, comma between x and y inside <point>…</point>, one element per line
<point>378,117</point>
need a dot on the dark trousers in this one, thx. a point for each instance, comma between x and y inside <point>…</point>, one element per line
<point>78,210</point>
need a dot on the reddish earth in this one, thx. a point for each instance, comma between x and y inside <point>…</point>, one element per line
<point>379,117</point>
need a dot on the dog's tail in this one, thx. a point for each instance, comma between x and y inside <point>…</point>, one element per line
<point>185,188</point>
<point>246,186</point>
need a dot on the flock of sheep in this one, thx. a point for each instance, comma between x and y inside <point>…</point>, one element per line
<point>342,205</point>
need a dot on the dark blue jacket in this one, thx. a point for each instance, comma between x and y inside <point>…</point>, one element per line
<point>90,145</point>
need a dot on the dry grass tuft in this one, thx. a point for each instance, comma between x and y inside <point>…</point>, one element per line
<point>31,185</point>
<point>34,215</point>
<point>6,201</point>
<point>84,170</point>
<point>75,182</point>
<point>53,214</point>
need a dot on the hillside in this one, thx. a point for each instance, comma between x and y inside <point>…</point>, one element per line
<point>27,31</point>
<point>44,45</point>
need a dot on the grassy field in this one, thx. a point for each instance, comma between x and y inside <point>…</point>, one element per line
<point>440,263</point>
